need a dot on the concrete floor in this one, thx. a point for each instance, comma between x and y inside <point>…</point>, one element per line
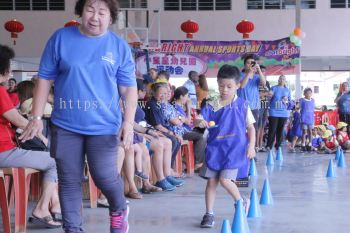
<point>304,201</point>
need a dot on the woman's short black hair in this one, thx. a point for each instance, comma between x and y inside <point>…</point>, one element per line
<point>113,6</point>
<point>180,91</point>
<point>6,54</point>
<point>229,72</point>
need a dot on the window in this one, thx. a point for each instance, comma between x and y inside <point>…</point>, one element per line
<point>316,89</point>
<point>171,5</point>
<point>272,4</point>
<point>39,5</point>
<point>6,5</point>
<point>339,3</point>
<point>222,5</point>
<point>279,4</point>
<point>197,5</point>
<point>133,3</point>
<point>42,5</point>
<point>205,5</point>
<point>189,5</point>
<point>56,5</point>
<point>22,5</point>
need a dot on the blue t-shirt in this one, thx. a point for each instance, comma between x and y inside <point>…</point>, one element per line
<point>278,107</point>
<point>250,92</point>
<point>344,103</point>
<point>307,108</point>
<point>87,72</point>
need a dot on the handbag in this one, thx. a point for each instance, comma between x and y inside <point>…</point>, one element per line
<point>34,144</point>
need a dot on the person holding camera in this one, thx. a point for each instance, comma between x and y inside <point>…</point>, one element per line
<point>251,79</point>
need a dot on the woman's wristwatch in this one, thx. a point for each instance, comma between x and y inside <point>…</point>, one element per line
<point>32,118</point>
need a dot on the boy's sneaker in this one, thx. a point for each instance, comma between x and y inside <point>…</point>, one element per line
<point>165,185</point>
<point>119,221</point>
<point>246,205</point>
<point>176,182</point>
<point>207,221</point>
<point>141,175</point>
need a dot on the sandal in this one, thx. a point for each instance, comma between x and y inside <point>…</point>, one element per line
<point>57,217</point>
<point>135,195</point>
<point>45,221</point>
<point>150,189</point>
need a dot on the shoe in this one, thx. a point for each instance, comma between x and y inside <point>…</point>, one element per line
<point>207,221</point>
<point>292,150</point>
<point>45,222</point>
<point>246,205</point>
<point>165,185</point>
<point>308,148</point>
<point>141,175</point>
<point>119,221</point>
<point>176,182</point>
<point>103,203</point>
<point>135,195</point>
<point>262,149</point>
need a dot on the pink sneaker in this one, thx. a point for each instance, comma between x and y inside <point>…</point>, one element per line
<point>119,221</point>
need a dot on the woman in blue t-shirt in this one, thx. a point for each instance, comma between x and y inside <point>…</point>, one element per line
<point>279,112</point>
<point>91,68</point>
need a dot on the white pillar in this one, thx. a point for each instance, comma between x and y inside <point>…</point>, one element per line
<point>298,74</point>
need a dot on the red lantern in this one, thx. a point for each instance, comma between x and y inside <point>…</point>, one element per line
<point>14,27</point>
<point>189,27</point>
<point>245,27</point>
<point>72,23</point>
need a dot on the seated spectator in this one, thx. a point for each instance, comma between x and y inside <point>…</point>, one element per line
<point>47,211</point>
<point>25,91</point>
<point>330,143</point>
<point>155,117</point>
<point>183,120</point>
<point>160,147</point>
<point>342,135</point>
<point>316,140</point>
<point>12,91</point>
<point>202,90</point>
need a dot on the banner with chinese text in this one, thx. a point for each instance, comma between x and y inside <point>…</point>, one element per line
<point>206,57</point>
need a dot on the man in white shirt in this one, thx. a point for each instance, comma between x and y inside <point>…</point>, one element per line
<point>190,84</point>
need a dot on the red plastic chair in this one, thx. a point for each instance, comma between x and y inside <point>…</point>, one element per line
<point>4,205</point>
<point>187,151</point>
<point>21,183</point>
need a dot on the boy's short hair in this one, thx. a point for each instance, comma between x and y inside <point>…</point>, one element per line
<point>229,72</point>
<point>307,89</point>
<point>164,73</point>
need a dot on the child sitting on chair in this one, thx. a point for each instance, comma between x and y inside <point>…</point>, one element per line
<point>342,135</point>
